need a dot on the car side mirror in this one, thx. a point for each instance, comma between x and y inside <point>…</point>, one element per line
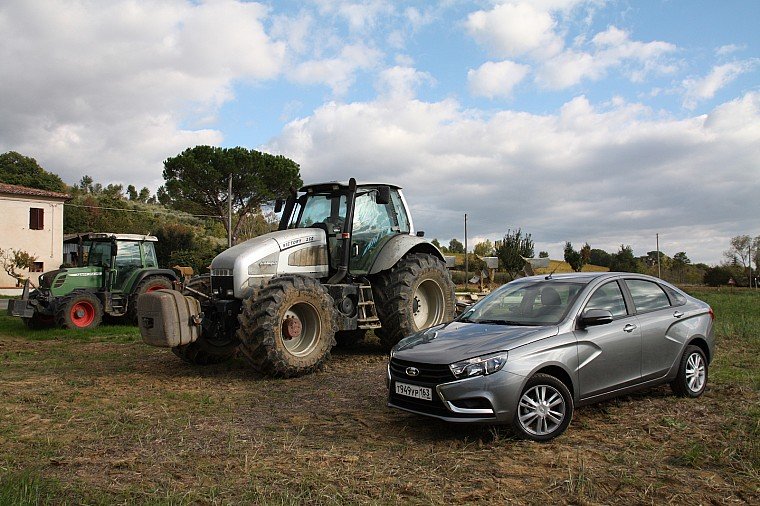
<point>594,317</point>
<point>383,196</point>
<point>278,205</point>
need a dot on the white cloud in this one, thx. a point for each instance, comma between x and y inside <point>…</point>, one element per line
<point>496,79</point>
<point>338,72</point>
<point>107,88</point>
<point>516,29</point>
<point>608,175</point>
<point>703,88</point>
<point>610,49</point>
<point>729,49</point>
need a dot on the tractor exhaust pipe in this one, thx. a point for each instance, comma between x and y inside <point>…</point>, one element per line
<point>345,236</point>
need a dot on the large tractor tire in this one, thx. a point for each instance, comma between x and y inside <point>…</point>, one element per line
<point>79,310</point>
<point>288,328</point>
<point>413,295</point>
<point>203,351</point>
<point>147,285</point>
<point>346,338</point>
<point>39,321</point>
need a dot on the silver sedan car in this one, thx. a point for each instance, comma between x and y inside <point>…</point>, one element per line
<point>531,351</point>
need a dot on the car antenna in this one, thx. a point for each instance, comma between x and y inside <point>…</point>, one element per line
<point>553,271</point>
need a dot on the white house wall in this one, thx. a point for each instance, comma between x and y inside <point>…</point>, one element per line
<point>45,244</point>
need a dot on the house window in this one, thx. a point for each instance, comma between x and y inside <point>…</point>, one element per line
<point>36,218</point>
<point>37,267</point>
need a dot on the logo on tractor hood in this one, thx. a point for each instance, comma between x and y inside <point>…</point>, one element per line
<point>74,274</point>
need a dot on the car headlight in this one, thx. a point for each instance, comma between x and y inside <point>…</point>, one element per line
<point>479,366</point>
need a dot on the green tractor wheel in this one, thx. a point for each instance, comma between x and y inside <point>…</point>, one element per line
<point>79,310</point>
<point>147,285</point>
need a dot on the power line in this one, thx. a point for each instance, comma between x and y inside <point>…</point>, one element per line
<point>142,211</point>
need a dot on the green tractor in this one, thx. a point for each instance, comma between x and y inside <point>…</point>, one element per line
<point>112,270</point>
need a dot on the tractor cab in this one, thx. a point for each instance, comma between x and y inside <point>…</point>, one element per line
<point>357,220</point>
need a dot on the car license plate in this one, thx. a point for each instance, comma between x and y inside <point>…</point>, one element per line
<point>415,391</point>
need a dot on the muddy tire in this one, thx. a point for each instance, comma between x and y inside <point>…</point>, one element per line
<point>415,294</point>
<point>149,284</point>
<point>79,310</point>
<point>346,338</point>
<point>39,321</point>
<point>203,351</point>
<point>288,328</point>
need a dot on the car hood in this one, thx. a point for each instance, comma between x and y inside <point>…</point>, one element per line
<point>454,341</point>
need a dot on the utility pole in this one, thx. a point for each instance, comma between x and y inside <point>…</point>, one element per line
<point>466,262</point>
<point>659,272</point>
<point>229,212</point>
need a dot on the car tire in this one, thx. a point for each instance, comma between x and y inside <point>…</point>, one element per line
<point>692,373</point>
<point>544,409</point>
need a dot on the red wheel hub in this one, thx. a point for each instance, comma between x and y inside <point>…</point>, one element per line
<point>291,328</point>
<point>82,314</point>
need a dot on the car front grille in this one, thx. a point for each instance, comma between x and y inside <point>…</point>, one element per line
<point>430,375</point>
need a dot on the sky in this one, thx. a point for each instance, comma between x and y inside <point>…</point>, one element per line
<point>607,122</point>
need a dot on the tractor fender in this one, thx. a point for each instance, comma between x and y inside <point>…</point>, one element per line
<point>167,273</point>
<point>397,247</point>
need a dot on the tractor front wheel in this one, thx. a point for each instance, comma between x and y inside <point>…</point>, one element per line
<point>288,327</point>
<point>79,311</point>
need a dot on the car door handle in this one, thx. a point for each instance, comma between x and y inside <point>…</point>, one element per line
<point>677,314</point>
<point>629,328</point>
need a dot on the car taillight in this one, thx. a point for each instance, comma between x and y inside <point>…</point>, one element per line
<point>712,313</point>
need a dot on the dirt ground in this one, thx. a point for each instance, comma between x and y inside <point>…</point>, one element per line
<point>106,422</point>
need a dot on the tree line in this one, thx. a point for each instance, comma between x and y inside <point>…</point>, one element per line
<point>188,214</point>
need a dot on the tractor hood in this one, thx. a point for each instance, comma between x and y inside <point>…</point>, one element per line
<point>251,264</point>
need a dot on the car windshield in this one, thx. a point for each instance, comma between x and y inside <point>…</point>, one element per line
<point>526,302</point>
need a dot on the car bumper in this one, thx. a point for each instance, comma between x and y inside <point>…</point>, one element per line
<point>480,399</point>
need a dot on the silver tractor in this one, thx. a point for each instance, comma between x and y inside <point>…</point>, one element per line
<point>345,259</point>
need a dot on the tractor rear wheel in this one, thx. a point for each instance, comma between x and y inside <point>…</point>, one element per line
<point>203,351</point>
<point>79,310</point>
<point>413,295</point>
<point>149,284</point>
<point>288,327</point>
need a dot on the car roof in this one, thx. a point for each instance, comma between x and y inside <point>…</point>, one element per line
<point>587,277</point>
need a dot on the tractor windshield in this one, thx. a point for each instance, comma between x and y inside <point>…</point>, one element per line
<point>97,254</point>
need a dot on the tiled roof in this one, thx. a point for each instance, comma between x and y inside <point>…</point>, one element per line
<point>31,192</point>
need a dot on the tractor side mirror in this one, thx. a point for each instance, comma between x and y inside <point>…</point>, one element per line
<point>278,205</point>
<point>383,196</point>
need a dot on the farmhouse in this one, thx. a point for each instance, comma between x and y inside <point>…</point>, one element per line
<point>32,221</point>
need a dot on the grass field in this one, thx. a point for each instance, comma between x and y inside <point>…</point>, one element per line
<point>97,417</point>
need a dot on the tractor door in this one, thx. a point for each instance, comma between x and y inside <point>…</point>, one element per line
<point>374,224</point>
<point>127,263</point>
<point>328,212</point>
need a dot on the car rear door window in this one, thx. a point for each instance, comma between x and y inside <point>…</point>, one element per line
<point>647,295</point>
<point>609,297</point>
